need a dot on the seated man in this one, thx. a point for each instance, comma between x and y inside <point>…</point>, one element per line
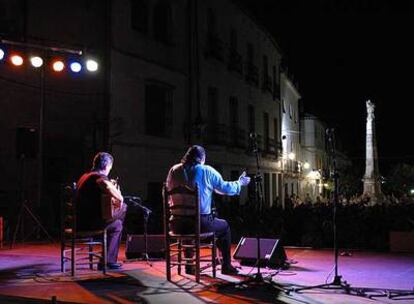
<point>191,171</point>
<point>99,205</point>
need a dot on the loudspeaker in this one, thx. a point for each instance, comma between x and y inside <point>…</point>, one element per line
<point>272,253</point>
<point>26,142</point>
<point>135,246</point>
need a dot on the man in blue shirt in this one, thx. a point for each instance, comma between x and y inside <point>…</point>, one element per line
<point>192,171</point>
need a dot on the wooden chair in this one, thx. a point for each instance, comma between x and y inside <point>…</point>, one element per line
<point>79,247</point>
<point>176,244</point>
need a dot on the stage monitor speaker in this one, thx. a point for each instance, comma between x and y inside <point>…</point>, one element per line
<point>135,246</point>
<point>26,142</point>
<point>272,253</point>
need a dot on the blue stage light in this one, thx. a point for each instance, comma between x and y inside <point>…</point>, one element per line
<point>75,67</point>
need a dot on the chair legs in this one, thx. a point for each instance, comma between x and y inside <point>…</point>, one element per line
<point>73,248</point>
<point>181,247</point>
<point>104,252</point>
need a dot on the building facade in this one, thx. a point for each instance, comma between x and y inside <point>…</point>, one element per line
<point>314,154</point>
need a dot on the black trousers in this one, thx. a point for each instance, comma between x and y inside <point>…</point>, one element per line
<point>114,234</point>
<point>208,223</point>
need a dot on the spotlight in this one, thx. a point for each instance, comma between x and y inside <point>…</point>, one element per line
<point>36,61</point>
<point>75,67</point>
<point>17,60</point>
<point>306,165</point>
<point>1,54</point>
<point>58,66</point>
<point>91,65</point>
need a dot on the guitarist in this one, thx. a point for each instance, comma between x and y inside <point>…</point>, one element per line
<point>100,204</point>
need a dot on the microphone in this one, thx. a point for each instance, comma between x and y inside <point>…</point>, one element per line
<point>132,197</point>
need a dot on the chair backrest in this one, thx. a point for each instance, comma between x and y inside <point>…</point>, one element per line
<point>181,201</point>
<point>68,209</point>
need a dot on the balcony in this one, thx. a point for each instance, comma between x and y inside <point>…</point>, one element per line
<point>270,148</point>
<point>235,62</point>
<point>214,47</point>
<point>216,134</point>
<point>252,74</point>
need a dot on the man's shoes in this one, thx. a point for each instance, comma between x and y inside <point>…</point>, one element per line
<point>230,270</point>
<point>190,270</point>
<point>110,266</point>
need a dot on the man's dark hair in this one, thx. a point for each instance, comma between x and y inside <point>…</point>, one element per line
<point>102,160</point>
<point>194,155</point>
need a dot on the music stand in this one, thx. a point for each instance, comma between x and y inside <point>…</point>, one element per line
<point>136,202</point>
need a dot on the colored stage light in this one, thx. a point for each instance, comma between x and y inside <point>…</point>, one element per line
<point>36,61</point>
<point>75,67</point>
<point>17,60</point>
<point>91,65</point>
<point>1,54</point>
<point>58,66</point>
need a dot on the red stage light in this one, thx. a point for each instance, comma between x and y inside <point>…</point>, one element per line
<point>58,66</point>
<point>16,60</point>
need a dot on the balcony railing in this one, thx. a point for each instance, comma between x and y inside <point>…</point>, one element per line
<point>270,147</point>
<point>235,62</point>
<point>214,47</point>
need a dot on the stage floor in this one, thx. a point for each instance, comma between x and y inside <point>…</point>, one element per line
<point>30,274</point>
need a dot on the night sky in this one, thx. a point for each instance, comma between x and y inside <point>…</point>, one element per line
<point>342,53</point>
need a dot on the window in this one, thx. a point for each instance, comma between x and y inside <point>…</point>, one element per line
<point>139,15</point>
<point>158,110</point>
<point>162,22</point>
<point>265,66</point>
<point>251,119</point>
<point>266,131</point>
<point>276,87</point>
<point>212,107</point>
<point>233,112</point>
<point>276,129</point>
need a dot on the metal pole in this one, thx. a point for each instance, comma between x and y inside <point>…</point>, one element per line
<point>41,135</point>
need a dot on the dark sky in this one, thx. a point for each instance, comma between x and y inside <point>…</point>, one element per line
<point>343,53</point>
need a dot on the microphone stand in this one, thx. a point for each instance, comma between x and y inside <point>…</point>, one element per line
<point>337,282</point>
<point>258,279</point>
<point>147,212</point>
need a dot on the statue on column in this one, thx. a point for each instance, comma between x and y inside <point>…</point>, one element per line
<point>372,183</point>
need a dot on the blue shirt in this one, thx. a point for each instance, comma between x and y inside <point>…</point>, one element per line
<point>208,180</point>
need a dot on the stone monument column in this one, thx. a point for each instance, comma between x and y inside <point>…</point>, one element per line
<point>372,185</point>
